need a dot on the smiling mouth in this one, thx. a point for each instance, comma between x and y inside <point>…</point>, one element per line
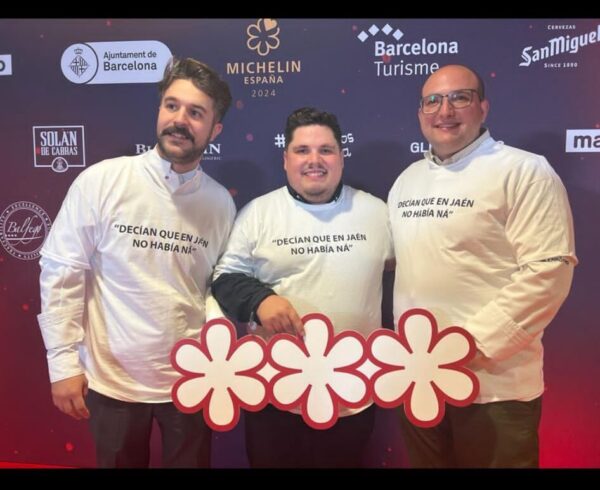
<point>314,172</point>
<point>447,125</point>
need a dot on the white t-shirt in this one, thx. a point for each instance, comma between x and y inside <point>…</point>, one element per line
<point>148,247</point>
<point>323,258</point>
<point>470,239</point>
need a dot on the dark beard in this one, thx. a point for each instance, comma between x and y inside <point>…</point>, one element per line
<point>190,156</point>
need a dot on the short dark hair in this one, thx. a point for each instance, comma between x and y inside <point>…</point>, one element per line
<point>203,77</point>
<point>307,116</point>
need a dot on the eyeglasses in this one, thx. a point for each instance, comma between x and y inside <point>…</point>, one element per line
<point>459,99</point>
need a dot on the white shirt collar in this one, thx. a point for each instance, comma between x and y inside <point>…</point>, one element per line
<point>176,181</point>
<point>459,154</point>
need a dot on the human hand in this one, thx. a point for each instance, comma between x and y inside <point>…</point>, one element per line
<point>68,396</point>
<point>277,315</point>
<point>479,360</point>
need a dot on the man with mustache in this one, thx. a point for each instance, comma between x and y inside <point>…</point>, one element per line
<point>125,272</point>
<point>493,251</point>
<point>314,245</point>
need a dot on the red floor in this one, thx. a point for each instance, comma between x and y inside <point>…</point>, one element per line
<point>9,464</point>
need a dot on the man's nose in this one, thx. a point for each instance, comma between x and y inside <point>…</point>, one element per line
<point>180,117</point>
<point>446,107</point>
<point>314,156</point>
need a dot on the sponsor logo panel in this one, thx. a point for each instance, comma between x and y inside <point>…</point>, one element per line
<point>398,54</point>
<point>115,62</point>
<point>58,147</point>
<point>5,64</point>
<point>212,152</point>
<point>582,141</point>
<point>263,75</point>
<point>23,228</point>
<point>562,51</point>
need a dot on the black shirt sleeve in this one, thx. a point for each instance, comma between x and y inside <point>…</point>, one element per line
<point>239,295</point>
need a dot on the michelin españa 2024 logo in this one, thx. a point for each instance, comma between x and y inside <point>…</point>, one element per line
<point>263,72</point>
<point>115,62</point>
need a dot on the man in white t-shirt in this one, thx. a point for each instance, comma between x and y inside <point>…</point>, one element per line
<point>483,237</point>
<point>283,261</point>
<point>125,272</point>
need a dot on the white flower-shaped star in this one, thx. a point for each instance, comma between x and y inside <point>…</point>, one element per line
<point>219,374</point>
<point>422,367</point>
<point>320,373</point>
<point>263,36</point>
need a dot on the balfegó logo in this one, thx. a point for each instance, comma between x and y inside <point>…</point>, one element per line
<point>393,58</point>
<point>115,62</point>
<point>23,228</point>
<point>582,141</point>
<point>58,147</point>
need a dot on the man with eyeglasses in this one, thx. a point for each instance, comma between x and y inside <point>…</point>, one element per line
<point>483,236</point>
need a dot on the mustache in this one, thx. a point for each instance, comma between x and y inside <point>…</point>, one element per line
<point>176,130</point>
<point>314,166</point>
